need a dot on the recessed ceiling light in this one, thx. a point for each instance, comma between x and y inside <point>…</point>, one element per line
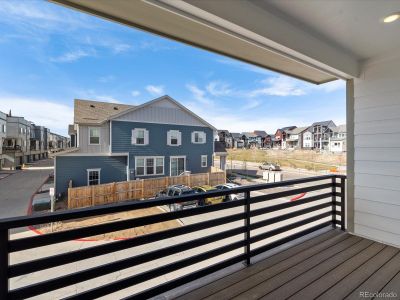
<point>391,18</point>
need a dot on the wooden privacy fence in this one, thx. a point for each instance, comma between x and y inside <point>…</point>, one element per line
<point>136,189</point>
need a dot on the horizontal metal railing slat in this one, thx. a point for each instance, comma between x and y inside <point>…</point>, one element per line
<point>77,255</point>
<point>88,274</point>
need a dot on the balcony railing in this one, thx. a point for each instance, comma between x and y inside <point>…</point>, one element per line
<point>325,203</point>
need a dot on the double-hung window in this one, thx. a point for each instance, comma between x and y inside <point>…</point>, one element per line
<point>140,136</point>
<point>198,137</point>
<point>93,176</point>
<point>204,161</point>
<point>174,138</point>
<point>94,136</point>
<point>146,166</point>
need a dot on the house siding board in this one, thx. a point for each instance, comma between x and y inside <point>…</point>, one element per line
<point>376,151</point>
<point>113,169</point>
<point>164,112</point>
<point>121,143</point>
<point>104,146</point>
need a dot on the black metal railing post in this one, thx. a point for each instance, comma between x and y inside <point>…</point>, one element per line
<point>334,201</point>
<point>4,261</point>
<point>247,225</point>
<point>343,203</point>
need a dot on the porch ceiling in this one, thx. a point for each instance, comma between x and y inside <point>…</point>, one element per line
<point>205,25</point>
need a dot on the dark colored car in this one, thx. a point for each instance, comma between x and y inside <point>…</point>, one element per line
<point>178,190</point>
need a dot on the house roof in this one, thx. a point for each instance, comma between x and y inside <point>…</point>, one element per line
<point>287,128</point>
<point>261,133</point>
<point>222,130</point>
<point>162,98</point>
<point>236,135</point>
<point>340,128</point>
<point>324,123</point>
<point>298,130</point>
<point>95,112</point>
<point>219,147</point>
<point>249,134</point>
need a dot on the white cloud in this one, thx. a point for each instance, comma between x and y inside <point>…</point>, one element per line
<point>135,93</point>
<point>280,86</point>
<point>120,48</point>
<point>53,115</point>
<point>72,56</point>
<point>252,104</point>
<point>155,90</point>
<point>106,79</point>
<point>218,88</point>
<point>199,94</point>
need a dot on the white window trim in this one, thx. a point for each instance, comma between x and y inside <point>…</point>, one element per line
<point>94,127</point>
<point>204,137</point>
<point>133,137</point>
<point>201,161</point>
<point>170,164</point>
<point>145,167</point>
<point>91,170</point>
<point>169,138</point>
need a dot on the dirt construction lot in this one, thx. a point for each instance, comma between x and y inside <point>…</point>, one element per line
<point>122,234</point>
<point>302,159</point>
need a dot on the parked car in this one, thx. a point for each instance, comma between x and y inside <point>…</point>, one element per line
<point>178,190</point>
<point>228,186</point>
<point>270,167</point>
<point>207,201</point>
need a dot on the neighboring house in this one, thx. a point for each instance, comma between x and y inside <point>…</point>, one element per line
<point>57,142</point>
<point>269,141</point>
<point>294,138</point>
<point>16,146</point>
<point>337,142</point>
<point>3,135</point>
<point>261,135</point>
<point>72,133</point>
<point>250,140</point>
<point>280,136</point>
<point>220,151</point>
<point>117,142</point>
<point>308,139</point>
<point>226,138</point>
<point>322,132</point>
<point>237,141</point>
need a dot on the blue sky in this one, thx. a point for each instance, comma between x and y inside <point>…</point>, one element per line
<point>51,55</point>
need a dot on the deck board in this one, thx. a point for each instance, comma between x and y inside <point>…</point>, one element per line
<point>229,280</point>
<point>333,265</point>
<point>273,283</point>
<point>291,287</point>
<point>377,281</point>
<point>356,278</point>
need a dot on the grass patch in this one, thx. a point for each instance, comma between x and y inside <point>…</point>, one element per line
<point>299,159</point>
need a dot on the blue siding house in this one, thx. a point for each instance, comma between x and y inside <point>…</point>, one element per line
<point>117,142</point>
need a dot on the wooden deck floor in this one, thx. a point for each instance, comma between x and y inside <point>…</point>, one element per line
<point>333,265</point>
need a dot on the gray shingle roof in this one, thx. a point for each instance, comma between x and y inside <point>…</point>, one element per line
<point>95,112</point>
<point>298,130</point>
<point>236,135</point>
<point>324,123</point>
<point>261,133</point>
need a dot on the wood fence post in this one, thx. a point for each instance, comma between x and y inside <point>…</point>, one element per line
<point>92,192</point>
<point>208,178</point>
<point>142,188</point>
<point>188,180</point>
<point>69,198</point>
<point>114,192</point>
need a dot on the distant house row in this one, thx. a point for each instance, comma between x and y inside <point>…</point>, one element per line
<point>323,135</point>
<point>22,141</point>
